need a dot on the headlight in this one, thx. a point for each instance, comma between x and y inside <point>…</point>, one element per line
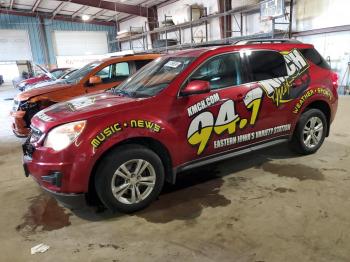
<point>62,136</point>
<point>21,84</point>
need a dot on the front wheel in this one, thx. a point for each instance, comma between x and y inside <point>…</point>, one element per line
<point>129,178</point>
<point>310,132</point>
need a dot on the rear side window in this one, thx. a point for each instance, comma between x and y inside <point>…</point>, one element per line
<point>141,63</point>
<point>312,55</point>
<point>266,65</point>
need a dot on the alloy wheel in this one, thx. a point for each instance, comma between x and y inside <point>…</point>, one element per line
<point>133,181</point>
<point>312,132</point>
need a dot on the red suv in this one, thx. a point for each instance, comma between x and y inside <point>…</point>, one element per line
<point>181,111</point>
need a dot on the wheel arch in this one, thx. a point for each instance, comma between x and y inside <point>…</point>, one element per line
<point>159,148</point>
<point>324,107</point>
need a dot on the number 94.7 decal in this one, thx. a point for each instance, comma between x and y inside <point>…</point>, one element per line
<point>227,121</point>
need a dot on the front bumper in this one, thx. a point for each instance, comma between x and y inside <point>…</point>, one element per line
<point>58,172</point>
<point>19,126</point>
<point>71,201</point>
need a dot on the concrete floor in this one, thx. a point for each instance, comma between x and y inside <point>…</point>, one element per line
<point>267,206</point>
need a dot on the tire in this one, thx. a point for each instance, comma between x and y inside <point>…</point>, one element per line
<point>133,190</point>
<point>310,132</point>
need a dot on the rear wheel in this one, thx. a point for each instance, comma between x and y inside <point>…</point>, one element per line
<point>129,178</point>
<point>310,132</point>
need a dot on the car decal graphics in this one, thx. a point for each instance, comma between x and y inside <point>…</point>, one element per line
<point>251,136</point>
<point>145,124</point>
<point>44,116</point>
<point>280,90</point>
<point>80,103</point>
<point>109,131</point>
<point>320,90</point>
<point>203,125</point>
<point>203,104</point>
<point>105,134</point>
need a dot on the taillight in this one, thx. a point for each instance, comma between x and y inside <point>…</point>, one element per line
<point>335,79</point>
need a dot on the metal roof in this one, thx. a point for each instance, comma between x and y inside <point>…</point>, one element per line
<point>101,10</point>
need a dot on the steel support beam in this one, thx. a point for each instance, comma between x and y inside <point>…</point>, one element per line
<point>98,14</point>
<point>152,22</point>
<point>80,11</point>
<point>327,30</point>
<point>44,40</point>
<point>118,7</point>
<point>37,3</point>
<point>225,21</point>
<point>59,8</point>
<point>290,29</point>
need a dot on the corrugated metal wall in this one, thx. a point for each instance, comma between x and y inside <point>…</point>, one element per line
<point>31,24</point>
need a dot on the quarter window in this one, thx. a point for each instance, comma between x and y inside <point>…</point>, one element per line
<point>221,71</point>
<point>315,57</point>
<point>266,65</point>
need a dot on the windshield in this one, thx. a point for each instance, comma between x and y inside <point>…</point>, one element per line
<point>154,77</point>
<point>58,73</point>
<point>79,74</point>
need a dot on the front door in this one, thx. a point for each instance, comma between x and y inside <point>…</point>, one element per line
<point>224,118</point>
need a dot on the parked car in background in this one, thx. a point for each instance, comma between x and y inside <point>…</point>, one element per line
<point>1,79</point>
<point>62,79</point>
<point>59,72</point>
<point>182,111</point>
<point>16,80</point>
<point>95,77</point>
<point>41,77</point>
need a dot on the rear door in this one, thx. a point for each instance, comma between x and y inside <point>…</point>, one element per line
<point>269,72</point>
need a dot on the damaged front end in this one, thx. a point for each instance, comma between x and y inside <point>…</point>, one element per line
<point>22,113</point>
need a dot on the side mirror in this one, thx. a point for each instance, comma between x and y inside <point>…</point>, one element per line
<point>196,87</point>
<point>94,80</point>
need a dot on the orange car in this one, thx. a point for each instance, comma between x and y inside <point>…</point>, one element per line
<point>95,77</point>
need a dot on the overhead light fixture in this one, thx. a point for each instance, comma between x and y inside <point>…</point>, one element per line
<point>85,17</point>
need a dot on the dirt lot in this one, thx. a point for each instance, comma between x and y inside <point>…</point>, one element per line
<point>268,206</point>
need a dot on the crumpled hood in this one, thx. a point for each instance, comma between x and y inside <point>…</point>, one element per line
<point>83,107</point>
<point>41,91</point>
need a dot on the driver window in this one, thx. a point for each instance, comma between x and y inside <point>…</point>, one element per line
<point>114,72</point>
<point>221,71</point>
<point>104,74</point>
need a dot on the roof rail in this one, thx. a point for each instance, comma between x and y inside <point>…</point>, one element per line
<point>212,44</point>
<point>267,41</point>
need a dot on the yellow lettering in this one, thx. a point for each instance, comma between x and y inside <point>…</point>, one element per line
<point>133,123</point>
<point>95,143</point>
